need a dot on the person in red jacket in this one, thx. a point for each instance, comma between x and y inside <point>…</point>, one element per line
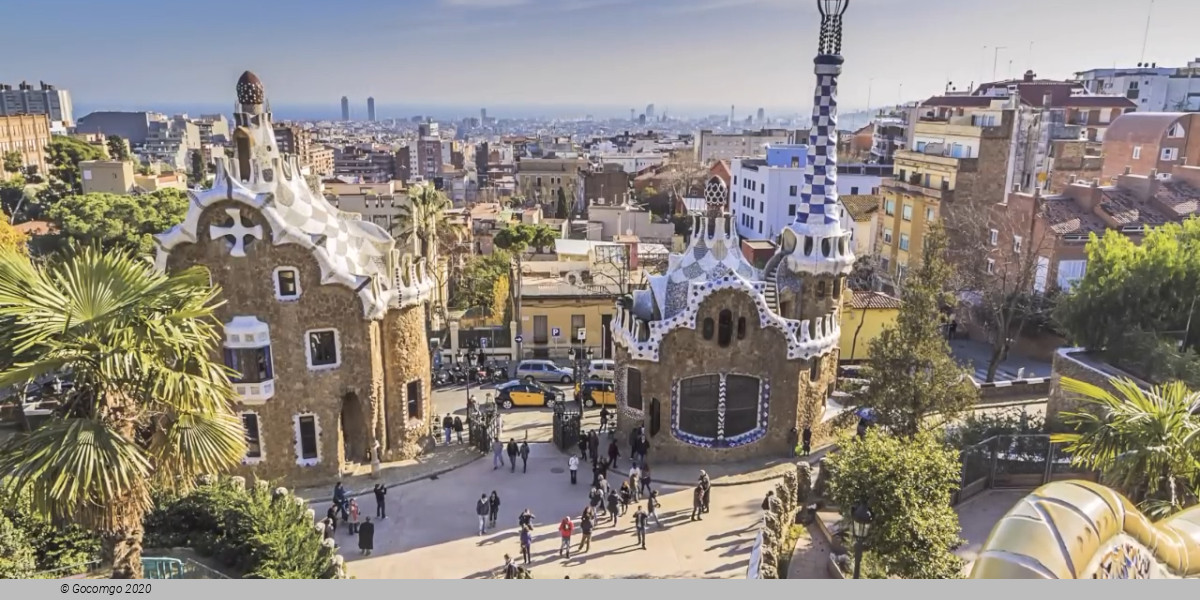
<point>565,529</point>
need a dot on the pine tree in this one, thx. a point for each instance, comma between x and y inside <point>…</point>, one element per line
<point>199,169</point>
<point>910,370</point>
<point>117,148</point>
<point>561,211</point>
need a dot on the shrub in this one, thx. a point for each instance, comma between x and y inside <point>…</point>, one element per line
<point>55,547</point>
<point>254,531</point>
<point>978,427</point>
<point>16,554</point>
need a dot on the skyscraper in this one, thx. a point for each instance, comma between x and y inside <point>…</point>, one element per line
<point>731,116</point>
<point>650,111</point>
<point>371,109</point>
<point>345,108</point>
<point>483,116</point>
<point>762,116</point>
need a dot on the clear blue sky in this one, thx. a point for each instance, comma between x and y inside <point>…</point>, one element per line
<point>684,54</point>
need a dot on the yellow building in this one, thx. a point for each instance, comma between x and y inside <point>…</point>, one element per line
<point>864,317</point>
<point>28,136</point>
<point>117,177</point>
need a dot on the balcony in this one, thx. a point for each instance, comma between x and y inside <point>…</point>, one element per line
<point>918,187</point>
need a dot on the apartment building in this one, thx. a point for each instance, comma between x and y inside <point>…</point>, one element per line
<point>133,127</point>
<point>45,99</point>
<point>1145,142</point>
<point>1152,88</point>
<point>712,146</point>
<point>367,163</point>
<point>540,179</point>
<point>28,136</point>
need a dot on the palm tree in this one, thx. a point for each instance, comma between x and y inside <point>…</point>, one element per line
<point>424,217</point>
<point>146,408</point>
<point>1146,443</point>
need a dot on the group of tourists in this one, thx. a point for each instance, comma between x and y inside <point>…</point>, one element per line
<point>499,449</point>
<point>345,508</point>
<point>452,425</point>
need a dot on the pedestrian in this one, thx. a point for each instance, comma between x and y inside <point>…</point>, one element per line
<point>614,506</point>
<point>586,522</point>
<point>793,441</point>
<point>447,427</point>
<point>634,434</point>
<point>493,508</point>
<point>353,517</point>
<point>654,505</point>
<point>643,447</point>
<point>512,455</point>
<point>380,501</point>
<point>596,498</point>
<point>613,453</point>
<point>635,475</point>
<point>594,446</point>
<point>603,418</point>
<point>806,441</point>
<point>697,503</point>
<point>329,527</point>
<point>951,329</point>
<point>604,485</point>
<point>340,500</point>
<point>525,519</point>
<point>332,515</point>
<point>458,428</point>
<point>604,465</point>
<point>639,522</point>
<point>525,456</point>
<point>706,486</point>
<point>565,529</point>
<point>583,447</point>
<point>481,510</point>
<point>573,467</point>
<point>526,544</point>
<point>497,454</point>
<point>366,537</point>
<point>645,483</point>
<point>510,568</point>
<point>626,497</point>
<point>766,505</point>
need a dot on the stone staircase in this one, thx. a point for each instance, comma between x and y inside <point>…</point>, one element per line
<point>771,292</point>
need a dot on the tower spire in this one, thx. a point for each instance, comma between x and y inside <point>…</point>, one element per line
<point>817,213</point>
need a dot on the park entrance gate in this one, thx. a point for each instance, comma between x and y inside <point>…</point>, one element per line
<point>568,421</point>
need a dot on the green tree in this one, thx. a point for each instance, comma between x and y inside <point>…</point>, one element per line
<point>12,239</point>
<point>117,148</point>
<point>117,220</point>
<point>17,558</point>
<point>910,368</point>
<point>148,407</point>
<point>480,277</point>
<point>13,163</point>
<point>64,155</point>
<point>424,218</point>
<point>560,210</point>
<point>906,483</point>
<point>199,169</point>
<point>1146,443</point>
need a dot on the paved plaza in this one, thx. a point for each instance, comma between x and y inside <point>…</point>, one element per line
<point>431,529</point>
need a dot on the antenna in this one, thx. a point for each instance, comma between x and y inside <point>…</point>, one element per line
<point>1146,35</point>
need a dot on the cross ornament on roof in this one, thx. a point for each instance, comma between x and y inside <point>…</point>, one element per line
<point>237,231</point>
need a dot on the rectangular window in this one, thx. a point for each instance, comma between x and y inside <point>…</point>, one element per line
<point>541,329</point>
<point>853,191</point>
<point>792,190</point>
<point>887,237</point>
<point>991,266</point>
<point>633,388</point>
<point>904,241</point>
<point>906,212</point>
<point>791,210</point>
<point>287,283</point>
<point>308,437</point>
<point>577,322</point>
<point>1016,244</point>
<point>1070,271</point>
<point>252,365</point>
<point>1137,152</point>
<point>993,237</point>
<point>889,207</point>
<point>928,215</point>
<point>322,348</point>
<point>253,440</point>
<point>1170,153</point>
<point>760,227</point>
<point>735,180</point>
<point>413,397</point>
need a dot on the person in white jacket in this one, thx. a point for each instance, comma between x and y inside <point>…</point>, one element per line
<point>573,465</point>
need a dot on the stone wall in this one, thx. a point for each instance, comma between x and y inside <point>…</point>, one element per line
<point>248,289</point>
<point>793,400</point>
<point>1065,364</point>
<point>406,358</point>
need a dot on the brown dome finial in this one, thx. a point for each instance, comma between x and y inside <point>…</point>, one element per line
<point>250,89</point>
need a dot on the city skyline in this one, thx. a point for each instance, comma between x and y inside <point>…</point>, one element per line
<point>712,44</point>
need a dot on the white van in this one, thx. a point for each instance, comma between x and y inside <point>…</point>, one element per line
<point>602,368</point>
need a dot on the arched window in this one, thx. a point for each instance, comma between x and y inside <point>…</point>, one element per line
<point>720,411</point>
<point>741,328</point>
<point>815,369</point>
<point>821,288</point>
<point>708,328</point>
<point>724,328</point>
<point>699,404</point>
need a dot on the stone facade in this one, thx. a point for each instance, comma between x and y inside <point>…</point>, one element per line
<point>341,275</point>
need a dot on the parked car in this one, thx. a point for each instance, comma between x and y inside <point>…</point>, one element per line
<point>543,370</point>
<point>597,392</point>
<point>526,393</point>
<point>602,368</point>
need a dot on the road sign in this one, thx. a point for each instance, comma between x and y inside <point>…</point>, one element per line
<point>555,332</point>
<point>519,339</point>
<point>483,342</point>
<point>581,334</point>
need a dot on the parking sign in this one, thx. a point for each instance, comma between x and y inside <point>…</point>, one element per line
<point>555,332</point>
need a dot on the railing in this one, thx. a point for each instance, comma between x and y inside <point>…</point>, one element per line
<point>152,568</point>
<point>1015,462</point>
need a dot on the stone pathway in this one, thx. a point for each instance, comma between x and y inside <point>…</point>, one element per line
<point>441,460</point>
<point>810,559</point>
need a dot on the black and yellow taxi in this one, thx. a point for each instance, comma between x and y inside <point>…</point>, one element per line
<point>525,393</point>
<point>597,392</point>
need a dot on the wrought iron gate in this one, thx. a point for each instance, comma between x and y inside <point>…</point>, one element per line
<point>483,421</point>
<point>568,420</point>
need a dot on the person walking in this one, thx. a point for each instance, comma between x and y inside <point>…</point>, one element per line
<point>705,485</point>
<point>366,537</point>
<point>512,455</point>
<point>493,508</point>
<point>525,519</point>
<point>654,505</point>
<point>586,523</point>
<point>614,506</point>
<point>526,544</point>
<point>458,428</point>
<point>626,497</point>
<point>481,510</point>
<point>767,500</point>
<point>639,522</point>
<point>447,427</point>
<point>497,454</point>
<point>635,475</point>
<point>332,515</point>
<point>525,456</point>
<point>353,517</point>
<point>645,479</point>
<point>613,453</point>
<point>594,447</point>
<point>380,500</point>
<point>603,418</point>
<point>340,500</point>
<point>604,465</point>
<point>573,467</point>
<point>510,568</point>
<point>329,527</point>
<point>697,503</point>
<point>604,485</point>
<point>565,529</point>
<point>583,446</point>
<point>643,447</point>
<point>806,441</point>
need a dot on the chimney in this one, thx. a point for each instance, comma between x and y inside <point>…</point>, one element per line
<point>1128,169</point>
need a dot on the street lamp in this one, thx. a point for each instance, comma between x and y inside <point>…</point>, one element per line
<point>860,526</point>
<point>467,367</point>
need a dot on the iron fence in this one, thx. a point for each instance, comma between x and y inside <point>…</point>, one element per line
<point>1015,462</point>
